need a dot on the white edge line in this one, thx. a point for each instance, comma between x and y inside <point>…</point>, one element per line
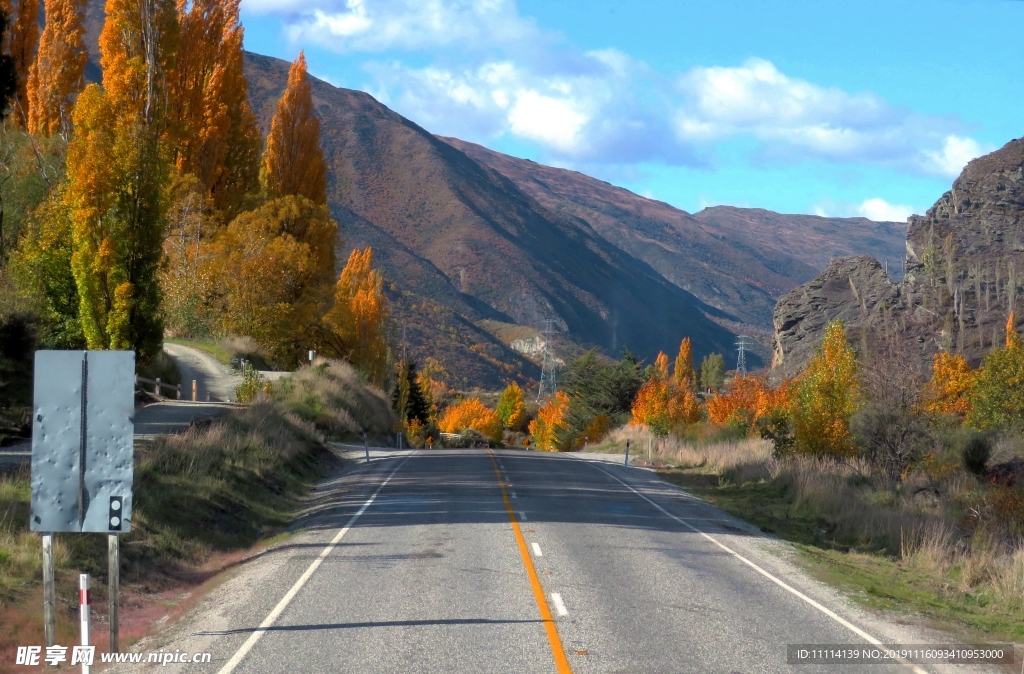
<point>831,614</point>
<point>559,606</point>
<point>283,604</point>
<point>536,550</point>
<point>523,517</point>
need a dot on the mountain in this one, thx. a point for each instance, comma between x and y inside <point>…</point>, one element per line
<point>811,239</point>
<point>462,244</point>
<point>728,271</point>
<point>964,269</point>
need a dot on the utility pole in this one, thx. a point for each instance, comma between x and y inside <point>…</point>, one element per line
<point>547,363</point>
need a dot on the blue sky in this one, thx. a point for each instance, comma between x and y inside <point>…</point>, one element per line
<point>836,108</point>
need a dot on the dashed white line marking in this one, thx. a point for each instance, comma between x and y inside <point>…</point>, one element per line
<point>514,495</point>
<point>559,606</point>
<point>523,517</point>
<point>536,550</point>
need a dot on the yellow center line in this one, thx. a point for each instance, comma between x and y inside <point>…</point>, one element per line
<point>561,662</point>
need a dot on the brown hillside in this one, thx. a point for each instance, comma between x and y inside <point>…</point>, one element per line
<point>464,237</point>
<point>727,271</point>
<point>811,239</point>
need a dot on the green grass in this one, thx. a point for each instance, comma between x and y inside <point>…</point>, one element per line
<point>839,558</point>
<point>209,346</point>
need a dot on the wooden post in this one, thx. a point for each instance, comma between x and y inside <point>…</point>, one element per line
<point>114,587</point>
<point>49,592</point>
<point>195,394</point>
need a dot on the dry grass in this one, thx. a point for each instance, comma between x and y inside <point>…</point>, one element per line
<point>332,395</point>
<point>949,547</point>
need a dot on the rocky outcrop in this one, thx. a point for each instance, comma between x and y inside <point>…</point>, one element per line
<point>856,290</point>
<point>963,277</point>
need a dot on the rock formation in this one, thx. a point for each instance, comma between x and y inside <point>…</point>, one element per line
<point>963,277</point>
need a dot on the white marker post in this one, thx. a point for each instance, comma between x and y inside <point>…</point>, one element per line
<point>366,447</point>
<point>84,607</point>
<point>627,453</point>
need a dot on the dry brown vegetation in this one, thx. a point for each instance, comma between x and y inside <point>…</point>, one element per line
<point>943,541</point>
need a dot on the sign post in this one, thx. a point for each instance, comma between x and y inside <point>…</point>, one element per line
<point>114,588</point>
<point>83,435</point>
<point>49,592</point>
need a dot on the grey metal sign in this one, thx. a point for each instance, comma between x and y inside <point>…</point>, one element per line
<point>82,441</point>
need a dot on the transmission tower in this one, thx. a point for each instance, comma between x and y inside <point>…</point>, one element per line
<point>741,358</point>
<point>547,363</point>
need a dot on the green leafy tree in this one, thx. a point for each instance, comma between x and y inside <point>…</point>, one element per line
<point>712,372</point>
<point>998,395</point>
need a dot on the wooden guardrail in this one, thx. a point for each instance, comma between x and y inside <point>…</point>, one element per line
<point>157,385</point>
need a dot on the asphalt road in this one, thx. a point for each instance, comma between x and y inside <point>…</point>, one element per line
<point>430,562</point>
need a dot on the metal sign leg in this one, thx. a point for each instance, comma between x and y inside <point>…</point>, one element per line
<point>114,587</point>
<point>49,592</point>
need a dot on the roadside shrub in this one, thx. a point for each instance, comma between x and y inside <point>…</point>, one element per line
<point>976,453</point>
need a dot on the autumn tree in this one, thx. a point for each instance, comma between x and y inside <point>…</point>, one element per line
<point>273,266</point>
<point>827,395</point>
<point>471,414</point>
<point>997,398</point>
<point>949,390</point>
<point>57,74</point>
<point>293,162</point>
<point>511,408</point>
<point>683,374</point>
<point>410,404</point>
<point>551,422</point>
<point>663,401</point>
<point>650,408</point>
<point>356,325</point>
<point>214,129</point>
<point>20,44</point>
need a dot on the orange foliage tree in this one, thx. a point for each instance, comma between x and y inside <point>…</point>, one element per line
<point>20,44</point>
<point>293,162</point>
<point>663,402</point>
<point>57,74</point>
<point>827,395</point>
<point>472,414</point>
<point>356,327</point>
<point>748,398</point>
<point>552,419</point>
<point>215,131</point>
<point>948,391</point>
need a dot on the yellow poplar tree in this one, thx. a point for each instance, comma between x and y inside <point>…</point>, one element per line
<point>294,162</point>
<point>827,395</point>
<point>511,408</point>
<point>551,419</point>
<point>58,73</point>
<point>471,414</point>
<point>215,131</point>
<point>357,324</point>
<point>20,43</point>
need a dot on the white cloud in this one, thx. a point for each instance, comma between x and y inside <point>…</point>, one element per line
<point>882,211</point>
<point>955,154</point>
<point>796,118</point>
<point>379,25</point>
<point>482,70</point>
